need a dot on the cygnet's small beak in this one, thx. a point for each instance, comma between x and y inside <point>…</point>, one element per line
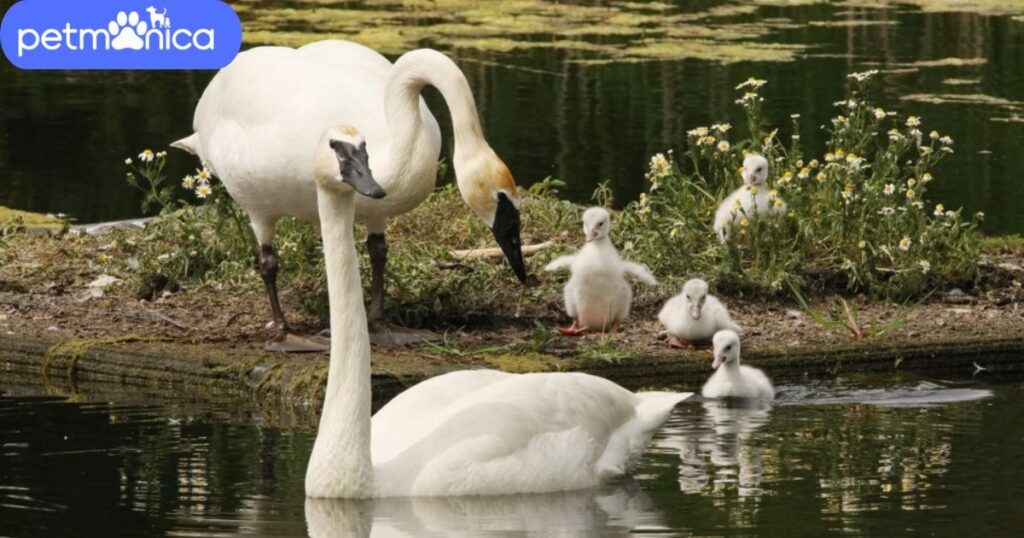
<point>695,311</point>
<point>747,178</point>
<point>589,234</point>
<point>717,362</point>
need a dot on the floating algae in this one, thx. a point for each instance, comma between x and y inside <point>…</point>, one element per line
<point>852,23</point>
<point>962,98</point>
<point>949,62</point>
<point>16,218</point>
<point>618,32</point>
<point>961,81</point>
<point>985,7</point>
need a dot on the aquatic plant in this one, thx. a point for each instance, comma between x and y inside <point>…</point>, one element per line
<point>858,216</point>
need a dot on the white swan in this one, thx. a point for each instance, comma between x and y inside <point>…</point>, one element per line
<point>751,201</point>
<point>731,379</point>
<point>472,432</point>
<point>694,315</point>
<point>259,116</point>
<point>597,295</point>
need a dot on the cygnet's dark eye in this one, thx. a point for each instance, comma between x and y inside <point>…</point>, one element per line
<point>728,347</point>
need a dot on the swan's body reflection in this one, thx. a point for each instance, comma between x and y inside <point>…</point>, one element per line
<point>610,511</point>
<point>720,436</point>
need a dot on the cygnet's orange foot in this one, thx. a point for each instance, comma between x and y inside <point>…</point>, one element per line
<point>288,342</point>
<point>573,330</point>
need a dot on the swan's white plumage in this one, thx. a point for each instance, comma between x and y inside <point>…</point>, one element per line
<point>514,433</point>
<point>463,433</point>
<point>597,295</point>
<point>731,379</point>
<point>676,316</point>
<point>260,115</point>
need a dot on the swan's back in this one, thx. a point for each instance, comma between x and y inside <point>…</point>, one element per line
<point>486,432</point>
<point>261,116</point>
<point>744,382</point>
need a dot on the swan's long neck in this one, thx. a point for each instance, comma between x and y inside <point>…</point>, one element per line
<point>410,74</point>
<point>341,465</point>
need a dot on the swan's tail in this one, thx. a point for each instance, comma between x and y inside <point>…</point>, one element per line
<point>189,144</point>
<point>628,442</point>
<point>655,407</point>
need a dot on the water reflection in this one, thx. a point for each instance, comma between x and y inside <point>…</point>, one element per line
<point>715,452</point>
<point>940,461</point>
<point>606,512</point>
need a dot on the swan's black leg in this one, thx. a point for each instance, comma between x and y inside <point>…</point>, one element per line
<point>381,332</point>
<point>378,249</point>
<point>267,265</point>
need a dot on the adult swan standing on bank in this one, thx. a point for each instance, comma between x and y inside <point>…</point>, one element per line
<point>475,432</point>
<point>259,116</point>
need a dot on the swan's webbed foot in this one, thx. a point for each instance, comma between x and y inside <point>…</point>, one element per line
<point>678,343</point>
<point>285,341</point>
<point>573,330</point>
<point>383,334</point>
<point>288,342</point>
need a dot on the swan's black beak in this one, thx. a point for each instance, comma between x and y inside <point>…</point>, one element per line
<point>506,232</point>
<point>355,168</point>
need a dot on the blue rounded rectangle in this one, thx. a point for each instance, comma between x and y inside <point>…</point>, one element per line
<point>121,34</point>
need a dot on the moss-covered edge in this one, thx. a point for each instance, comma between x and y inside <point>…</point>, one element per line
<point>199,374</point>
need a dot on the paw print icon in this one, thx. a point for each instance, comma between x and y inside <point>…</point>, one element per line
<point>127,30</point>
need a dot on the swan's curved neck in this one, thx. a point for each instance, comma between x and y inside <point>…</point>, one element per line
<point>409,75</point>
<point>341,465</point>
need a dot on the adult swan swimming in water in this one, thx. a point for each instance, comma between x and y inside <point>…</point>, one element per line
<point>476,432</point>
<point>259,116</point>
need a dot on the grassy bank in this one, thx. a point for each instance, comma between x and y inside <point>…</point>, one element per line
<point>860,251</point>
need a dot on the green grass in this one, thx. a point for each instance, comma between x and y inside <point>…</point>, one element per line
<point>1005,244</point>
<point>858,222</point>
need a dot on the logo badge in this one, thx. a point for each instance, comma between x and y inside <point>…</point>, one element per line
<point>121,34</point>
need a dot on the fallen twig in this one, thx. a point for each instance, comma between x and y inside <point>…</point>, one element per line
<point>162,317</point>
<point>528,250</point>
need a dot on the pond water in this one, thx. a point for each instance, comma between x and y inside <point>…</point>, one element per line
<point>847,458</point>
<point>550,111</point>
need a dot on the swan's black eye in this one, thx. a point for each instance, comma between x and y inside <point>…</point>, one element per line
<point>728,347</point>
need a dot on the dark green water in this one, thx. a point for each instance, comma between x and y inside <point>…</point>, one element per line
<point>826,460</point>
<point>64,135</point>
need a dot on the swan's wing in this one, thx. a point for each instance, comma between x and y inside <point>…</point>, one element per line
<point>629,441</point>
<point>409,416</point>
<point>640,272</point>
<point>671,308</point>
<point>722,319</point>
<point>523,433</point>
<point>561,262</point>
<point>757,378</point>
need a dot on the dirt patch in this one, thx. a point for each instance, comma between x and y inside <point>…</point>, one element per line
<point>44,294</point>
